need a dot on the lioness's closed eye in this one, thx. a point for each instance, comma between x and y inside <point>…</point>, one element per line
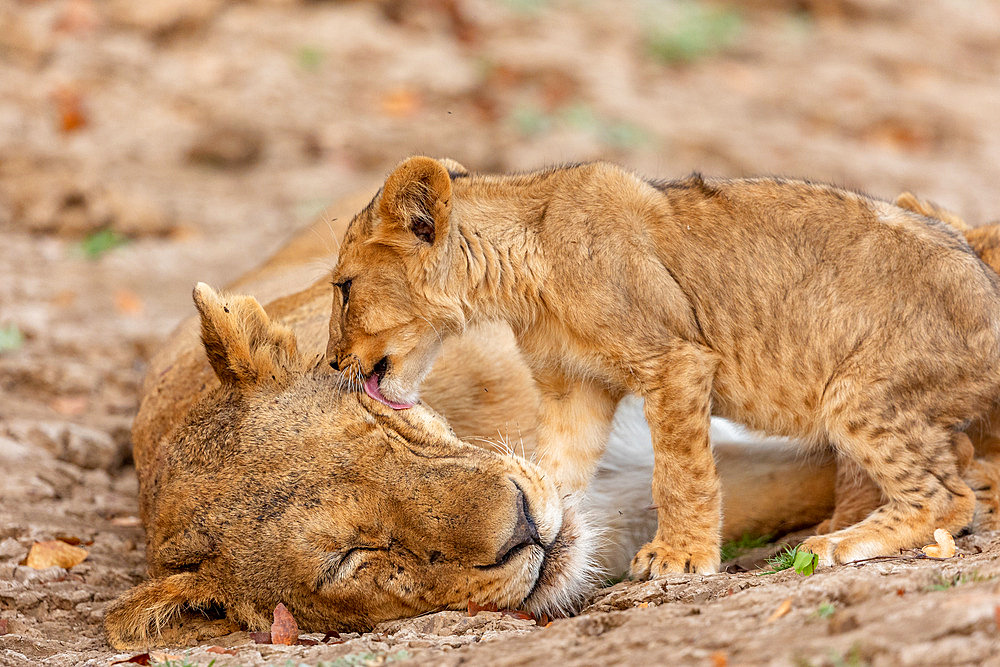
<point>798,309</point>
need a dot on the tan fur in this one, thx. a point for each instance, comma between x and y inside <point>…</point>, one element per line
<point>857,495</point>
<point>255,470</point>
<point>795,308</point>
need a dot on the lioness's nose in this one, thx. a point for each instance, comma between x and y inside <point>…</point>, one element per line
<point>525,530</point>
<point>335,364</point>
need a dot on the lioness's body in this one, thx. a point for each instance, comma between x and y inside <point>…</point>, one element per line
<point>797,309</point>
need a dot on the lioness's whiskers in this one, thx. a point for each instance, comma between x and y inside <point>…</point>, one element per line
<point>438,333</point>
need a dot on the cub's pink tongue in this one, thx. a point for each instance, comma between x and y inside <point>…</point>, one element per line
<point>371,388</point>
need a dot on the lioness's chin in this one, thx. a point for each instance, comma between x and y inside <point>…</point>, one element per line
<point>568,572</point>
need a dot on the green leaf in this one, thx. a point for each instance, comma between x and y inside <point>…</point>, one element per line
<point>805,562</point>
<point>309,58</point>
<point>735,548</point>
<point>11,338</point>
<point>101,242</point>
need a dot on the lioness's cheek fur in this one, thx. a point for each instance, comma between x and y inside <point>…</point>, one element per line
<point>795,308</point>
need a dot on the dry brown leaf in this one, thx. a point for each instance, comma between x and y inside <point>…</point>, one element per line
<point>945,547</point>
<point>69,107</point>
<point>719,659</point>
<point>71,406</point>
<point>77,16</point>
<point>139,659</point>
<point>261,637</point>
<point>284,630</point>
<point>400,103</point>
<point>475,608</point>
<point>54,553</point>
<point>783,608</point>
<point>128,302</point>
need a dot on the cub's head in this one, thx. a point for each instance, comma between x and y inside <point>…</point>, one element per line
<point>394,296</point>
<point>280,487</point>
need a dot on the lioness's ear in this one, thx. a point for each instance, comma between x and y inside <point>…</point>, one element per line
<point>417,198</point>
<point>135,619</point>
<point>244,347</point>
<point>455,168</point>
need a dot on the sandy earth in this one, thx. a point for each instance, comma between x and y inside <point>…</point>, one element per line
<point>203,133</point>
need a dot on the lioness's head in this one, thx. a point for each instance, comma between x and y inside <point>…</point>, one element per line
<point>391,303</point>
<point>281,487</point>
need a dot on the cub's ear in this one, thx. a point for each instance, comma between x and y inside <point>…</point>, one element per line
<point>911,202</point>
<point>244,347</point>
<point>135,619</point>
<point>416,198</point>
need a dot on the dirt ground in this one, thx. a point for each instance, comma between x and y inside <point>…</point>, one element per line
<point>147,145</point>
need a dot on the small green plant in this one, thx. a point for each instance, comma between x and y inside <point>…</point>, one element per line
<point>11,338</point>
<point>943,583</point>
<point>309,58</point>
<point>692,32</point>
<point>530,121</point>
<point>825,610</point>
<point>611,581</point>
<point>802,562</point>
<point>365,659</point>
<point>528,7</point>
<point>100,242</point>
<point>736,548</point>
<point>852,658</point>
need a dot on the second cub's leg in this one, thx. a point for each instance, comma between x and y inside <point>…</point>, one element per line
<point>685,485</point>
<point>915,465</point>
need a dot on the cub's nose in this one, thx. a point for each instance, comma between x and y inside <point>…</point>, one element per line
<point>525,531</point>
<point>335,364</point>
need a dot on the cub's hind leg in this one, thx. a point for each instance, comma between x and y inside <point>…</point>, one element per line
<point>855,497</point>
<point>914,463</point>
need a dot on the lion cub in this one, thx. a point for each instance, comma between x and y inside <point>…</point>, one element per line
<point>794,308</point>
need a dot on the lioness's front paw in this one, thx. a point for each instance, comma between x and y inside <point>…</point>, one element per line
<point>659,558</point>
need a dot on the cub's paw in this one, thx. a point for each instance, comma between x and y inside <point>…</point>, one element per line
<point>659,558</point>
<point>847,547</point>
<point>822,546</point>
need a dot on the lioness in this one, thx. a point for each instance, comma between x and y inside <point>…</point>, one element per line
<point>798,309</point>
<point>262,480</point>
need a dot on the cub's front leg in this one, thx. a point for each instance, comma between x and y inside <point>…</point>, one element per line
<point>685,484</point>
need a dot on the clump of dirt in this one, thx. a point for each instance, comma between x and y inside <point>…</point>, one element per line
<point>146,146</point>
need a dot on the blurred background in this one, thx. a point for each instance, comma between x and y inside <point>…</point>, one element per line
<point>145,145</point>
<point>149,144</point>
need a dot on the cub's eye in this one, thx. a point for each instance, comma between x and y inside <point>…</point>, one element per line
<point>345,290</point>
